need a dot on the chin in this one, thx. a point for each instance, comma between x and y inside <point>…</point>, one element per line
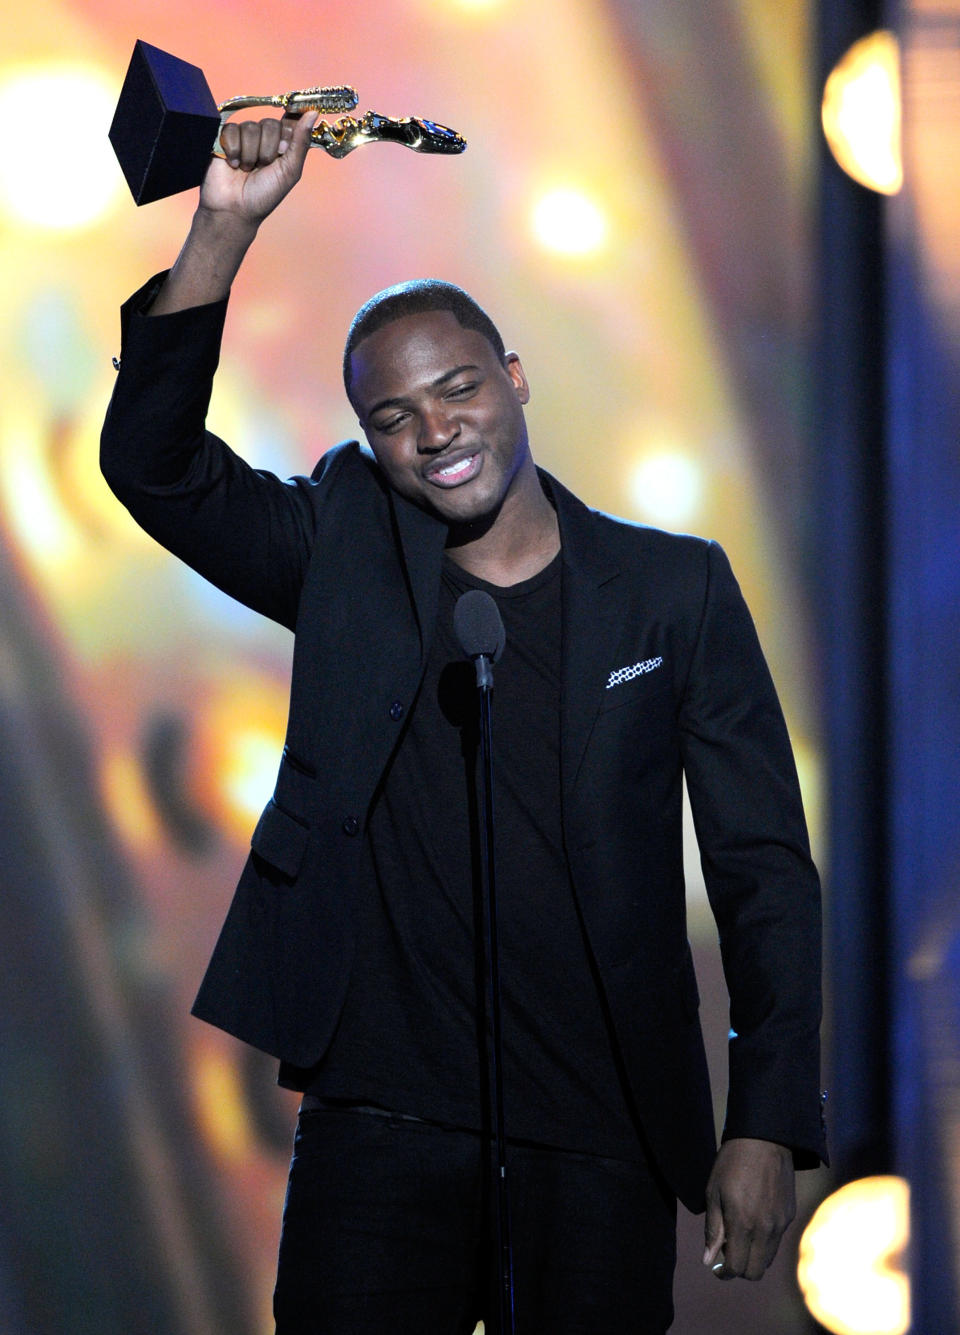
<point>473,511</point>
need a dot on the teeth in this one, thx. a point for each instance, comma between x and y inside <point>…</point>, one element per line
<point>451,469</point>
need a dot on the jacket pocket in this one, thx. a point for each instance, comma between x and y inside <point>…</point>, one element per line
<point>280,839</point>
<point>638,691</point>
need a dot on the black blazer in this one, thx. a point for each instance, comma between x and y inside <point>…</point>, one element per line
<point>662,676</point>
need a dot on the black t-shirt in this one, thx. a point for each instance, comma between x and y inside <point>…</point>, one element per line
<point>412,1034</point>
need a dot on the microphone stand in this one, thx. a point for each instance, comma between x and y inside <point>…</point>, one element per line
<point>484,668</point>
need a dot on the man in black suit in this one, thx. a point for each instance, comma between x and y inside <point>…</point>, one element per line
<point>348,951</point>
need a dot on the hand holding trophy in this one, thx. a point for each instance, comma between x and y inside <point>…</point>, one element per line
<point>167,124</point>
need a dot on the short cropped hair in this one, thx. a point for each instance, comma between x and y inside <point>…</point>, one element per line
<point>414,298</point>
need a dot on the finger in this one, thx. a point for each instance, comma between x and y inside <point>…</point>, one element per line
<point>230,143</point>
<point>296,136</point>
<point>749,1250</point>
<point>714,1236</point>
<point>759,1258</point>
<point>756,1267</point>
<point>250,133</point>
<point>736,1252</point>
<point>722,1271</point>
<point>763,1252</point>
<point>269,141</point>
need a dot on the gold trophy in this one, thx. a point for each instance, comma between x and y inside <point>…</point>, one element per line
<point>347,133</point>
<point>167,124</point>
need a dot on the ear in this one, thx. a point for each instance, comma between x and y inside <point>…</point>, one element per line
<point>517,374</point>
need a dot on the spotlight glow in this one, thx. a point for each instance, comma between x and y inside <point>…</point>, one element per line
<point>221,1106</point>
<point>249,770</point>
<point>29,495</point>
<point>666,488</point>
<point>239,743</point>
<point>861,113</point>
<point>59,191</point>
<point>851,1266</point>
<point>568,222</point>
<point>128,801</point>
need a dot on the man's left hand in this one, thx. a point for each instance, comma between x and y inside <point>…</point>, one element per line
<point>750,1202</point>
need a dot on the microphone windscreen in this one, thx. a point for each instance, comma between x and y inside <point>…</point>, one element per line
<point>479,626</point>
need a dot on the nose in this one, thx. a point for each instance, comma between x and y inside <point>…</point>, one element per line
<point>437,430</point>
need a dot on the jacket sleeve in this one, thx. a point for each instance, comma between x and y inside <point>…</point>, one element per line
<point>245,530</point>
<point>761,882</point>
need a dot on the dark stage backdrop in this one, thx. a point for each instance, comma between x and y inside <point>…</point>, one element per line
<point>923,517</point>
<point>635,209</point>
<point>889,467</point>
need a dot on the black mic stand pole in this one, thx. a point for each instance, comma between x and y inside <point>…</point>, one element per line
<point>484,668</point>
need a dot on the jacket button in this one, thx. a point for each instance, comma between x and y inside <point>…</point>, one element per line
<point>351,826</point>
<point>396,711</point>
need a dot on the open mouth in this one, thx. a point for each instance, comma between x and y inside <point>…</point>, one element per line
<point>455,472</point>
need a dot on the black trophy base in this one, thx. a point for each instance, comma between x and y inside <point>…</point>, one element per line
<point>165,125</point>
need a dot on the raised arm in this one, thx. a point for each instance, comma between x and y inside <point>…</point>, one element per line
<point>264,161</point>
<point>244,530</point>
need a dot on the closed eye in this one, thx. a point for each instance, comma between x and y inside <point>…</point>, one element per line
<point>392,425</point>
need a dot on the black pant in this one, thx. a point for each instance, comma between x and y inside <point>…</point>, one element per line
<point>389,1229</point>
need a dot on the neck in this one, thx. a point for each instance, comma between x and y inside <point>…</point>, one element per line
<point>516,543</point>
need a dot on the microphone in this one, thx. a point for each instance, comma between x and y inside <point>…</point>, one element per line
<point>479,628</point>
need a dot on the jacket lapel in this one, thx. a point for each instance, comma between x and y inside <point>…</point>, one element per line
<point>592,625</point>
<point>421,539</point>
<point>592,617</point>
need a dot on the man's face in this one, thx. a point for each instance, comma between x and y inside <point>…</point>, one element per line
<point>443,415</point>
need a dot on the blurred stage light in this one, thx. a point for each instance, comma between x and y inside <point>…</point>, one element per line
<point>74,182</point>
<point>127,800</point>
<point>568,222</point>
<point>666,488</point>
<point>239,741</point>
<point>809,773</point>
<point>29,495</point>
<point>851,1265</point>
<point>861,112</point>
<point>220,1105</point>
<point>249,770</point>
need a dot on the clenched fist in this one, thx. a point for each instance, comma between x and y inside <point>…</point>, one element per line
<point>262,162</point>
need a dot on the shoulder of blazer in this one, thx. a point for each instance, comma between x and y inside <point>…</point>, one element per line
<point>345,481</point>
<point>676,562</point>
<point>349,472</point>
<point>348,460</point>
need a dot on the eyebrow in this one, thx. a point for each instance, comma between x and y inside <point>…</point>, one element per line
<point>435,384</point>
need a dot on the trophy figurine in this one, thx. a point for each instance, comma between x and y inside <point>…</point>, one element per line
<point>167,124</point>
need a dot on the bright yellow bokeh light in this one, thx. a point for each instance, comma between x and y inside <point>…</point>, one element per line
<point>221,1107</point>
<point>239,745</point>
<point>568,222</point>
<point>61,190</point>
<point>666,488</point>
<point>249,770</point>
<point>466,9</point>
<point>861,113</point>
<point>851,1264</point>
<point>34,510</point>
<point>127,800</point>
